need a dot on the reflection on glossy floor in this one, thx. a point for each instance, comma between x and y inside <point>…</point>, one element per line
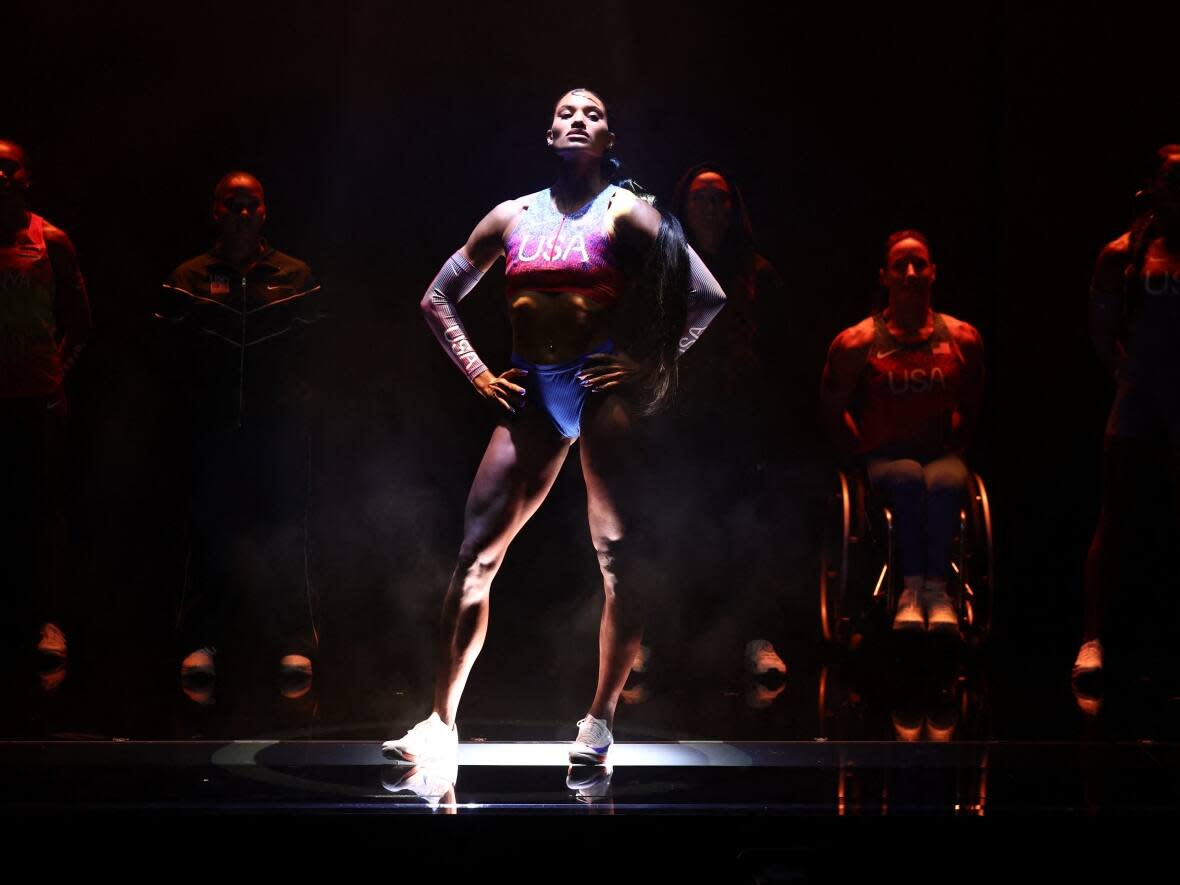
<point>783,778</point>
<point>890,730</point>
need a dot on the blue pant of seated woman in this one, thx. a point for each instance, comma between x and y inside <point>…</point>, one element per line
<point>925,499</point>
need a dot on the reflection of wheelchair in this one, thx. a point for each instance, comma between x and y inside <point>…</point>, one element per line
<point>859,581</point>
<point>860,711</point>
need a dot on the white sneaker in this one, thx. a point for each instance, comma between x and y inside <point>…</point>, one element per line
<point>592,744</point>
<point>908,616</point>
<point>761,658</point>
<point>427,741</point>
<point>199,664</point>
<point>941,617</point>
<point>52,642</point>
<point>1089,658</point>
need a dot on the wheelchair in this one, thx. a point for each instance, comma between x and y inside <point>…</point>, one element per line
<point>860,580</point>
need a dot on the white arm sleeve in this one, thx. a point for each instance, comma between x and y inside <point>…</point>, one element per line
<point>455,279</point>
<point>705,300</point>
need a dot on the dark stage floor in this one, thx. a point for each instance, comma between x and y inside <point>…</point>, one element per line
<point>848,767</point>
<point>890,731</point>
<point>795,778</point>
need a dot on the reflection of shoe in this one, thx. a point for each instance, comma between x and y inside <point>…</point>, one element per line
<point>590,782</point>
<point>1089,659</point>
<point>762,658</point>
<point>434,782</point>
<point>592,743</point>
<point>197,672</point>
<point>1090,705</point>
<point>760,696</point>
<point>907,728</point>
<point>52,679</point>
<point>429,741</point>
<point>1087,677</point>
<point>941,618</point>
<point>52,643</point>
<point>295,673</point>
<point>940,730</point>
<point>908,618</point>
<point>295,664</point>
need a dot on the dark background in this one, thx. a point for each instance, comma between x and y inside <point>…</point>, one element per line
<point>1014,137</point>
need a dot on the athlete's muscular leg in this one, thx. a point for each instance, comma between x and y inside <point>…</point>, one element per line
<point>613,464</point>
<point>946,477</point>
<point>1128,468</point>
<point>903,485</point>
<point>518,469</point>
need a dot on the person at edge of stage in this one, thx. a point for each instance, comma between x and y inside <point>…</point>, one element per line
<point>1134,298</point>
<point>588,359</point>
<point>44,325</point>
<point>734,363</point>
<point>235,326</point>
<point>901,394</point>
<point>728,399</point>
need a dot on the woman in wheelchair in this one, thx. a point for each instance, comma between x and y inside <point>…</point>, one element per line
<point>901,393</point>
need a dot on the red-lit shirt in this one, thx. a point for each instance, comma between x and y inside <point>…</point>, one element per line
<point>44,313</point>
<point>907,393</point>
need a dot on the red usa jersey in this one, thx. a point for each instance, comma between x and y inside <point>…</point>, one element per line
<point>908,392</point>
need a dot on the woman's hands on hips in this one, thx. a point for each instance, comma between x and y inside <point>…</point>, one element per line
<point>502,389</point>
<point>609,371</point>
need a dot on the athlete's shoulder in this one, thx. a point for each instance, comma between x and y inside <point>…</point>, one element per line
<point>1115,254</point>
<point>961,330</point>
<point>624,201</point>
<point>196,267</point>
<point>57,241</point>
<point>631,214</point>
<point>858,337</point>
<point>502,218</point>
<point>1120,247</point>
<point>1112,263</point>
<point>288,263</point>
<point>517,204</point>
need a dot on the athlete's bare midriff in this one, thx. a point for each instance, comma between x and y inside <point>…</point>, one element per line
<point>556,327</point>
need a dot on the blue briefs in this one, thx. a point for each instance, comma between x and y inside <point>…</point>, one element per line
<point>556,389</point>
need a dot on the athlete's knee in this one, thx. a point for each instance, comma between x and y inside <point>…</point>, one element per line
<point>900,477</point>
<point>946,477</point>
<point>477,564</point>
<point>616,561</point>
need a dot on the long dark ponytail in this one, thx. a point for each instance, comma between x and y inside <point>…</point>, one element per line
<point>654,314</point>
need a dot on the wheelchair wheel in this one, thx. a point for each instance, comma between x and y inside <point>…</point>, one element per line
<point>856,569</point>
<point>834,560</point>
<point>975,563</point>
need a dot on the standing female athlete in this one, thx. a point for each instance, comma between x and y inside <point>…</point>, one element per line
<point>902,390</point>
<point>571,250</point>
<point>1134,309</point>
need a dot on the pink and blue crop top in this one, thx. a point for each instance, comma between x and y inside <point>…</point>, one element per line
<point>548,251</point>
<point>551,252</point>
